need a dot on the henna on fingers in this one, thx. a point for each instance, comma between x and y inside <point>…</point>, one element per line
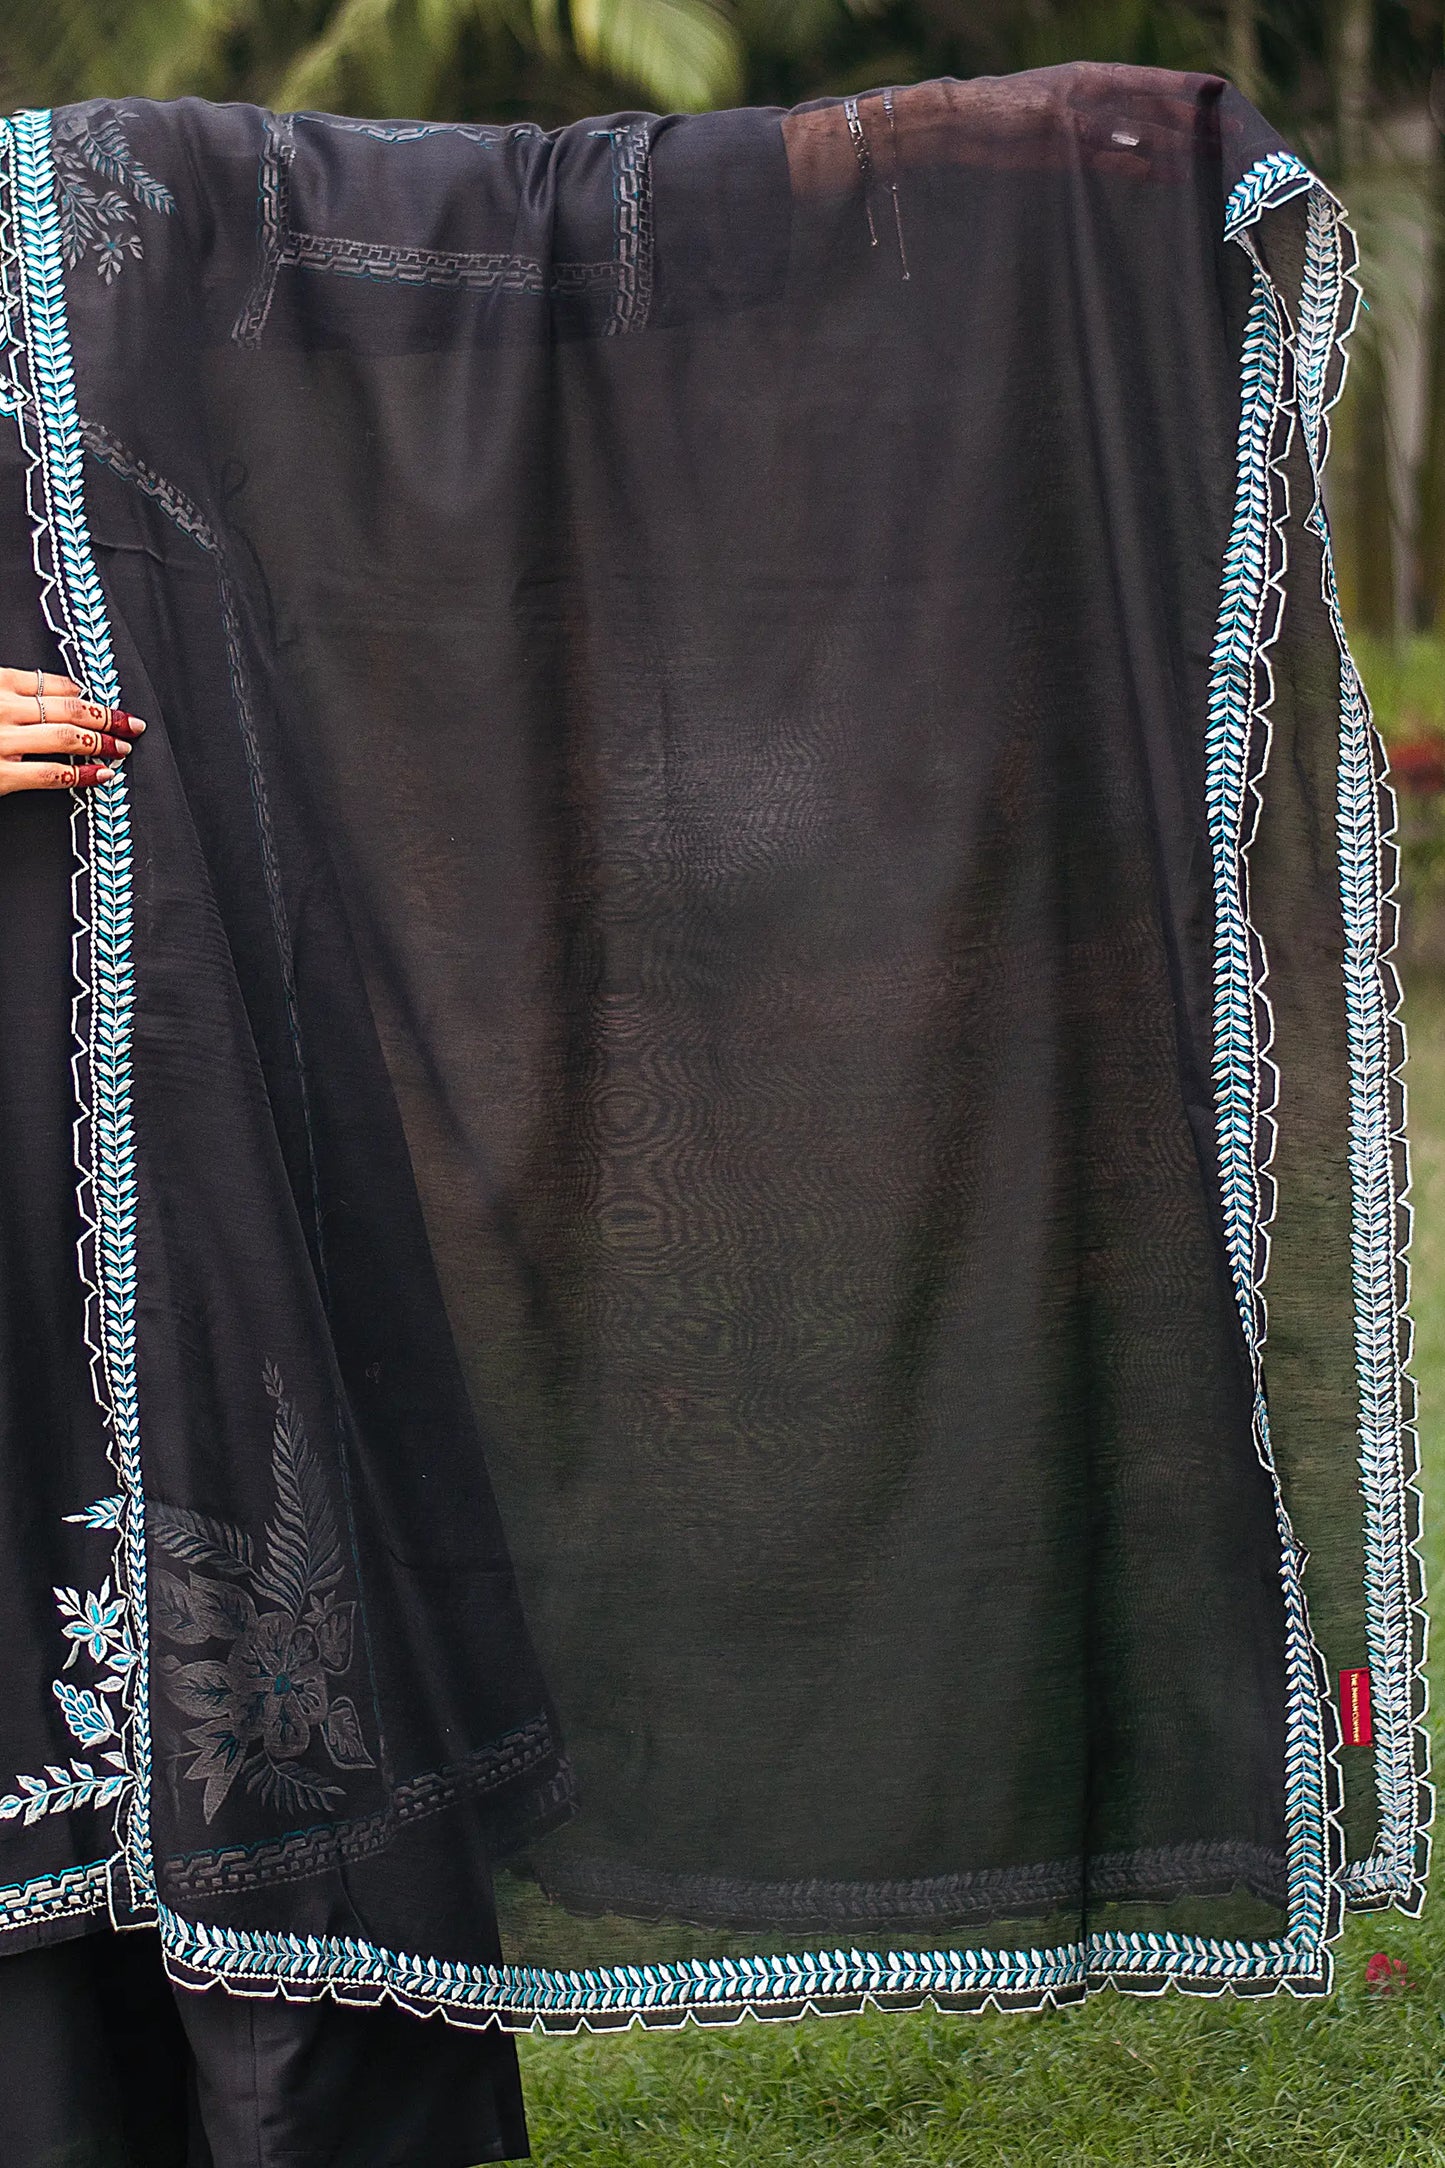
<point>52,737</point>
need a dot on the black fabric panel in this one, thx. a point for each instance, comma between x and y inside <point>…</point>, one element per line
<point>680,1256</point>
<point>104,2065</point>
<point>782,892</point>
<point>94,2068</point>
<point>52,1457</point>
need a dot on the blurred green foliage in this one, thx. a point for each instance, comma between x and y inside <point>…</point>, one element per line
<point>1406,683</point>
<point>555,60</point>
<point>1405,678</point>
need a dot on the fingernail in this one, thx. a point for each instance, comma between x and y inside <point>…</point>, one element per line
<point>131,723</point>
<point>114,748</point>
<point>90,772</point>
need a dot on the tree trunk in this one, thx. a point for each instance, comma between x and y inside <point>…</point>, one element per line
<point>1429,568</point>
<point>1370,591</point>
<point>1242,47</point>
<point>1367,543</point>
<point>1354,35</point>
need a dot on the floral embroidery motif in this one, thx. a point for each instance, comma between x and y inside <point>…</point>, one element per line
<point>88,149</point>
<point>95,1624</point>
<point>260,1707</point>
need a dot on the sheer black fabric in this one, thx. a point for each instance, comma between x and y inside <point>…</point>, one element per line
<point>695,1299</point>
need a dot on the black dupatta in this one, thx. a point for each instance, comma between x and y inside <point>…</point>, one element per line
<point>738,1341</point>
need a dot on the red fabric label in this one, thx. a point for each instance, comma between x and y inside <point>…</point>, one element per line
<point>1355,1708</point>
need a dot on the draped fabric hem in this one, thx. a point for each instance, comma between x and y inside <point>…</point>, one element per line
<point>724,1991</point>
<point>1152,1874</point>
<point>1395,1871</point>
<point>76,1898</point>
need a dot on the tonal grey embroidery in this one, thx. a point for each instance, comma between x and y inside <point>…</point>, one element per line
<point>312,1851</point>
<point>412,131</point>
<point>284,246</point>
<point>268,1703</point>
<point>632,225</point>
<point>95,220</point>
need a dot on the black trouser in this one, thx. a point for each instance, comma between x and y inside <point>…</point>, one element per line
<point>104,2065</point>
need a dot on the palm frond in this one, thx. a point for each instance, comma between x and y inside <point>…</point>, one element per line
<point>1148,33</point>
<point>200,1539</point>
<point>796,27</point>
<point>179,44</point>
<point>684,54</point>
<point>303,1549</point>
<point>358,29</point>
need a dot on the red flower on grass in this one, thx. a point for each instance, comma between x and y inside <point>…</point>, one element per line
<point>1417,766</point>
<point>1386,1975</point>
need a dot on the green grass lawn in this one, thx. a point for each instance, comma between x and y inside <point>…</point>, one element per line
<point>1357,2081</point>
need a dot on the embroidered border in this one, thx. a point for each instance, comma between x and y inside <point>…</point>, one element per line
<point>273,212</point>
<point>1150,1875</point>
<point>490,133</point>
<point>1270,181</point>
<point>74,606</point>
<point>469,270</point>
<point>455,269</point>
<point>632,195</point>
<point>74,1893</point>
<point>629,277</point>
<point>314,1851</point>
<point>722,1990</point>
<point>1395,1625</point>
<point>1245,1080</point>
<point>11,339</point>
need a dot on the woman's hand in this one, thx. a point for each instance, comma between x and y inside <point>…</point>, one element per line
<point>76,741</point>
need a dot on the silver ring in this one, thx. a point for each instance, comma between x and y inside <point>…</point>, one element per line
<point>40,695</point>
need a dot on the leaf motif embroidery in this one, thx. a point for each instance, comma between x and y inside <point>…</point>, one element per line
<point>173,1611</point>
<point>221,1609</point>
<point>341,1729</point>
<point>334,1635</point>
<point>202,1689</point>
<point>295,1790</point>
<point>197,1610</point>
<point>303,1550</point>
<point>199,1539</point>
<point>216,1763</point>
<point>89,1718</point>
<point>94,221</point>
<point>105,1513</point>
<point>95,1624</point>
<point>285,1631</point>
